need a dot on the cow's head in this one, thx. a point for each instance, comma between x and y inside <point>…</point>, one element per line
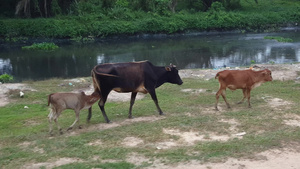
<point>267,74</point>
<point>173,76</point>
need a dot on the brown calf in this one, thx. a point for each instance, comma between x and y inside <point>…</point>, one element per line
<point>76,101</point>
<point>241,79</point>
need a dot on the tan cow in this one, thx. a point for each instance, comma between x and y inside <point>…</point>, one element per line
<point>241,79</point>
<point>76,101</point>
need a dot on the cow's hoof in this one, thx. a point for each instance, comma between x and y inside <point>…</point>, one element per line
<point>162,114</point>
<point>216,109</point>
<point>131,117</point>
<point>80,127</point>
<point>239,102</point>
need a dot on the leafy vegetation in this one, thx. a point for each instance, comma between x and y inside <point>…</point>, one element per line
<point>279,39</point>
<point>41,46</point>
<point>6,78</point>
<point>25,139</point>
<point>130,17</point>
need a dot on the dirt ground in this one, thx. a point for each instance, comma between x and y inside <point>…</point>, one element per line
<point>272,159</point>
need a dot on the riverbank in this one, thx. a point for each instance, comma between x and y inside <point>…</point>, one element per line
<point>282,72</point>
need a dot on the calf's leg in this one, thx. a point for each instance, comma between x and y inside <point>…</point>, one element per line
<point>77,112</point>
<point>50,118</point>
<point>133,96</point>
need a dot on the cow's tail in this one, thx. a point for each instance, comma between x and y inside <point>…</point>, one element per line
<point>217,76</point>
<point>95,82</point>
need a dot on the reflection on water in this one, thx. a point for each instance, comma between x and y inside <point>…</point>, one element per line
<point>191,51</point>
<point>5,66</point>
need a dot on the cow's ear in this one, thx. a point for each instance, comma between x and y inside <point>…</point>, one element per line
<point>265,72</point>
<point>171,65</point>
<point>168,69</point>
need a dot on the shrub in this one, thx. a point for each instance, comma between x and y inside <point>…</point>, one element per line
<point>279,39</point>
<point>41,46</point>
<point>5,78</point>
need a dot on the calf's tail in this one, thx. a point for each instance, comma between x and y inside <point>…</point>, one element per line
<point>217,75</point>
<point>49,98</point>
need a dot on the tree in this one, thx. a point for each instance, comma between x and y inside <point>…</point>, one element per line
<point>172,5</point>
<point>23,7</point>
<point>28,7</point>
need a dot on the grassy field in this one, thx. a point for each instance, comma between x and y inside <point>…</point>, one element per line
<point>190,130</point>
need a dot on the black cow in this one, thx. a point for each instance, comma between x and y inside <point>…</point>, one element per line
<point>131,77</point>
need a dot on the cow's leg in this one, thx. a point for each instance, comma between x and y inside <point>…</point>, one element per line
<point>101,104</point>
<point>76,120</point>
<point>248,97</point>
<point>224,97</point>
<point>154,98</point>
<point>217,99</point>
<point>245,95</point>
<point>89,115</point>
<point>222,93</point>
<point>133,95</point>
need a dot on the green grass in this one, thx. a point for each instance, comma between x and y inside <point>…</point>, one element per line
<point>185,111</point>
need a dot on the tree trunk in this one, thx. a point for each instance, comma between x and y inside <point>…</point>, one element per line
<point>25,6</point>
<point>172,5</point>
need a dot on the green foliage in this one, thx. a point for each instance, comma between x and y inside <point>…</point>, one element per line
<point>279,39</point>
<point>6,78</point>
<point>41,46</point>
<point>126,17</point>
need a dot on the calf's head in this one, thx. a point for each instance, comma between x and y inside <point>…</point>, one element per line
<point>173,76</point>
<point>267,75</point>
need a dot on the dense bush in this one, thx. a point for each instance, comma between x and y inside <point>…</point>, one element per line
<point>5,78</point>
<point>41,46</point>
<point>102,18</point>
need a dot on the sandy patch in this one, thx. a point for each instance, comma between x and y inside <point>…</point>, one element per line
<point>52,164</point>
<point>295,123</point>
<point>272,159</point>
<point>132,141</point>
<point>137,159</point>
<point>233,124</point>
<point>278,103</point>
<point>105,126</point>
<point>194,91</point>
<point>6,87</point>
<point>191,137</point>
<point>95,143</point>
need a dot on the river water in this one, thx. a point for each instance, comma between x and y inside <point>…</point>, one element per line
<point>198,50</point>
